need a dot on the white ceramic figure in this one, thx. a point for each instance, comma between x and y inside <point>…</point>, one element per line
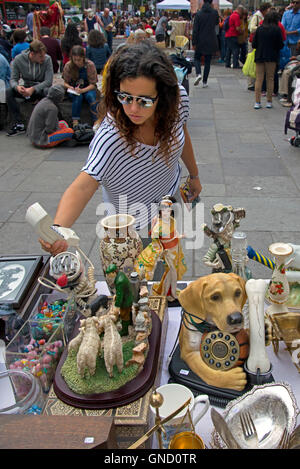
<point>279,286</point>
<point>258,358</point>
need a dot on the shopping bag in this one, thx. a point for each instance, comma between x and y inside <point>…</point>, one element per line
<point>249,67</point>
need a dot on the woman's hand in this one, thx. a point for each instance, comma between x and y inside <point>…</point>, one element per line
<point>195,188</point>
<point>55,248</point>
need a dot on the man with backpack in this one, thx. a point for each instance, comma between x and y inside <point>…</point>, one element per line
<point>254,22</point>
<point>231,36</point>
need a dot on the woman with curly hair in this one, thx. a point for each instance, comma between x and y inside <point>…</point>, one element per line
<point>142,135</point>
<point>97,50</point>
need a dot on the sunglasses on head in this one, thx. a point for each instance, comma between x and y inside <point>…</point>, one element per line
<point>125,98</point>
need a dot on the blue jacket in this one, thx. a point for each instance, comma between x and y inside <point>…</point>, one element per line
<point>4,70</point>
<point>291,22</point>
<point>98,55</point>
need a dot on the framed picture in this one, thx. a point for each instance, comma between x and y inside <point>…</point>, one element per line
<point>17,274</point>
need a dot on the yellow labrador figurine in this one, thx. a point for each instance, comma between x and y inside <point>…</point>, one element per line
<point>214,300</point>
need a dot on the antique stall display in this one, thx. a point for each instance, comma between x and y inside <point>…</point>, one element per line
<point>286,328</point>
<point>279,289</point>
<point>66,268</point>
<point>132,419</point>
<point>173,396</point>
<point>166,246</point>
<point>263,418</point>
<point>225,219</point>
<point>19,290</point>
<point>120,245</point>
<point>257,366</point>
<point>21,393</point>
<point>292,273</point>
<point>213,351</point>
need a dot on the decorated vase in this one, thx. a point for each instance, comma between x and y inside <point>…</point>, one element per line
<point>120,245</point>
<point>279,286</point>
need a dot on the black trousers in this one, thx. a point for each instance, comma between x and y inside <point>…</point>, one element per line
<point>13,105</point>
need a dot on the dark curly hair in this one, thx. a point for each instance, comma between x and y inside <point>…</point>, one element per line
<point>143,60</point>
<point>96,39</point>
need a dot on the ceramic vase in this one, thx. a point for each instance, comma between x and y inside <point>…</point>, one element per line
<point>279,286</point>
<point>120,245</point>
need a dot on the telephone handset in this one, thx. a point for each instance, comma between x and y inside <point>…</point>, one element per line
<point>39,219</point>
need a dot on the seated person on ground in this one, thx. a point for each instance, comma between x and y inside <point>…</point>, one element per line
<point>44,129</point>
<point>80,80</point>
<point>36,70</point>
<point>20,43</point>
<point>291,69</point>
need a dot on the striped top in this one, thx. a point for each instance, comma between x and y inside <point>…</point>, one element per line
<point>133,184</point>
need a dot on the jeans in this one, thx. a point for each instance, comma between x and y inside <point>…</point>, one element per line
<point>207,60</point>
<point>90,97</point>
<point>234,49</point>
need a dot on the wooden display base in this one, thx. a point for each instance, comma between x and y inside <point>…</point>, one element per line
<point>56,432</point>
<point>125,394</point>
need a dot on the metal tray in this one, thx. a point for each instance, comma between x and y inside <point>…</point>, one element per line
<point>273,408</point>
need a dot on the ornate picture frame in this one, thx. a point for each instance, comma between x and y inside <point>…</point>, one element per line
<point>17,274</point>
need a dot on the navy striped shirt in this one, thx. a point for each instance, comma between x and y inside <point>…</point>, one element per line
<point>129,181</point>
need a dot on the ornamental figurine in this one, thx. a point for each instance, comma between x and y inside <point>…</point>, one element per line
<point>124,297</point>
<point>225,219</point>
<point>165,245</point>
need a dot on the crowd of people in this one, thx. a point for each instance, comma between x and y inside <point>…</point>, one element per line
<point>272,34</point>
<point>84,51</point>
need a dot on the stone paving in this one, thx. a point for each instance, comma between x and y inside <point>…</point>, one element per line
<point>243,156</point>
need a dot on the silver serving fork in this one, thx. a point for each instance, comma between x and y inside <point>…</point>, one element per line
<point>248,427</point>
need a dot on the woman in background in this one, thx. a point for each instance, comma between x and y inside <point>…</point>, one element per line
<point>267,43</point>
<point>70,39</point>
<point>97,50</point>
<point>80,79</point>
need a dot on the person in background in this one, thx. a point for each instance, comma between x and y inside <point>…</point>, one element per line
<point>80,76</point>
<point>36,70</point>
<point>267,43</point>
<point>291,23</point>
<point>71,38</point>
<point>231,36</point>
<point>97,50</point>
<point>106,22</point>
<point>53,47</point>
<point>254,22</point>
<point>90,20</point>
<point>20,43</point>
<point>5,45</point>
<point>29,20</point>
<point>243,37</point>
<point>44,129</point>
<point>161,29</point>
<point>4,70</point>
<point>204,39</point>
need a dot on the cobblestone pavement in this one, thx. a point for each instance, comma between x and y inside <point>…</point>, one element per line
<point>243,156</point>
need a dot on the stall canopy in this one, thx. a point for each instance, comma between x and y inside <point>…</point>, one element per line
<point>225,4</point>
<point>174,5</point>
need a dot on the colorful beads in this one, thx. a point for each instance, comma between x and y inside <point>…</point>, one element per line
<point>48,319</point>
